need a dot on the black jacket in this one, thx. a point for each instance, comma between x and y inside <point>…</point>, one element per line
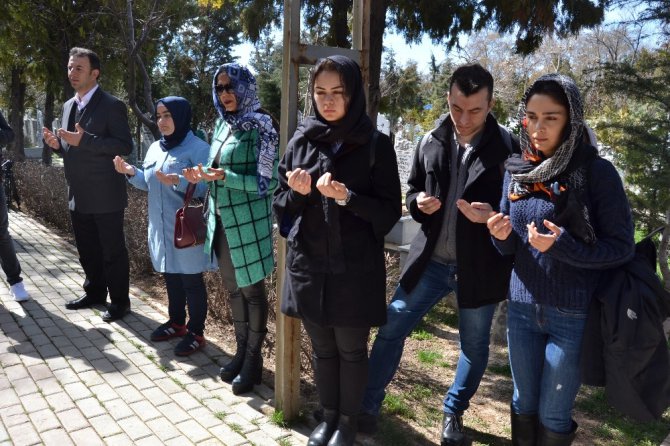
<point>483,274</point>
<point>6,132</point>
<point>624,346</point>
<point>96,186</point>
<point>335,270</point>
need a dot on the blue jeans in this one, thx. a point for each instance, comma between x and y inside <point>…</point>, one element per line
<point>404,313</point>
<point>544,351</point>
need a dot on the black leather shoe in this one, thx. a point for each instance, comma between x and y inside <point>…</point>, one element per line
<point>84,301</point>
<point>452,430</point>
<point>115,311</point>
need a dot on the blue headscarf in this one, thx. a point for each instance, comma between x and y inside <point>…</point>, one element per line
<point>247,117</point>
<point>180,110</point>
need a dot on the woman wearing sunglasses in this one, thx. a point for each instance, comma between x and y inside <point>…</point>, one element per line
<point>242,173</point>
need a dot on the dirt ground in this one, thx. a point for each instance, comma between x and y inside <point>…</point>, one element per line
<point>426,371</point>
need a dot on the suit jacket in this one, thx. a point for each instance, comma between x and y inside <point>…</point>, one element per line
<point>93,183</point>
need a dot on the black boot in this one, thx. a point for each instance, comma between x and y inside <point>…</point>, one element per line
<point>322,433</point>
<point>549,438</point>
<point>345,434</point>
<point>238,307</point>
<point>252,368</point>
<point>452,430</point>
<point>524,429</point>
<point>257,308</point>
<point>229,371</point>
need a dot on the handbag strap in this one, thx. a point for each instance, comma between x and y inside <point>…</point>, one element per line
<point>190,190</point>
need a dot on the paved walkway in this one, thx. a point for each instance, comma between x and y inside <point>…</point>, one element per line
<point>66,377</point>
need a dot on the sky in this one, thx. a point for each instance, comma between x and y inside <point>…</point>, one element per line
<point>420,53</point>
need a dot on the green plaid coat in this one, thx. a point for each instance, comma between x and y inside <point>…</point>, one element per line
<point>246,216</point>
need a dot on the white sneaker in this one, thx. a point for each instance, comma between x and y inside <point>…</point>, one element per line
<point>18,292</point>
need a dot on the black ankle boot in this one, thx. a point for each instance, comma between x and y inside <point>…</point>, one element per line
<point>322,433</point>
<point>452,430</point>
<point>229,371</point>
<point>252,368</point>
<point>549,438</point>
<point>524,429</point>
<point>345,434</point>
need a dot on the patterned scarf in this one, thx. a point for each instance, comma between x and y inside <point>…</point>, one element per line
<point>248,117</point>
<point>563,176</point>
<point>537,169</point>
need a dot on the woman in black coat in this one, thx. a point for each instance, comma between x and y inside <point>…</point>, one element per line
<point>339,194</point>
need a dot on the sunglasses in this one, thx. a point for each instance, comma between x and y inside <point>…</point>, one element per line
<point>220,88</point>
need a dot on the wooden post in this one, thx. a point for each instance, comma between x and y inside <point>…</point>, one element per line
<point>287,361</point>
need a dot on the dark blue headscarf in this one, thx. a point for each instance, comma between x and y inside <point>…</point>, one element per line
<point>180,110</point>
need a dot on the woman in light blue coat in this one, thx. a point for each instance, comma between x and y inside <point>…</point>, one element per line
<point>160,175</point>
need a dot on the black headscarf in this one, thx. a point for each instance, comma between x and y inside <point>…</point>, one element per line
<point>355,128</point>
<point>180,109</point>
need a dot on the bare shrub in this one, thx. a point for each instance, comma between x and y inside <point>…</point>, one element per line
<point>43,192</point>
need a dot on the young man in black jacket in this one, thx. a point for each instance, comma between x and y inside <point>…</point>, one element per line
<point>454,185</point>
<point>10,263</point>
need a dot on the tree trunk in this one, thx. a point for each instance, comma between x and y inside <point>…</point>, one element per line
<point>17,112</point>
<point>135,65</point>
<point>377,25</point>
<point>48,119</point>
<point>664,252</point>
<point>339,23</point>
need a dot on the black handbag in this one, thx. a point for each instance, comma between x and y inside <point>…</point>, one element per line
<point>189,226</point>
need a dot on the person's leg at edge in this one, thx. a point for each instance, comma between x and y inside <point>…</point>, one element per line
<point>403,314</point>
<point>326,364</point>
<point>8,260</point>
<point>474,328</point>
<point>561,377</point>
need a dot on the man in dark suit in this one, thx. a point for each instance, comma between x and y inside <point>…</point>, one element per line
<point>96,130</point>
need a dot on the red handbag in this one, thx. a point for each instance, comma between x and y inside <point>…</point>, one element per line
<point>189,226</point>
